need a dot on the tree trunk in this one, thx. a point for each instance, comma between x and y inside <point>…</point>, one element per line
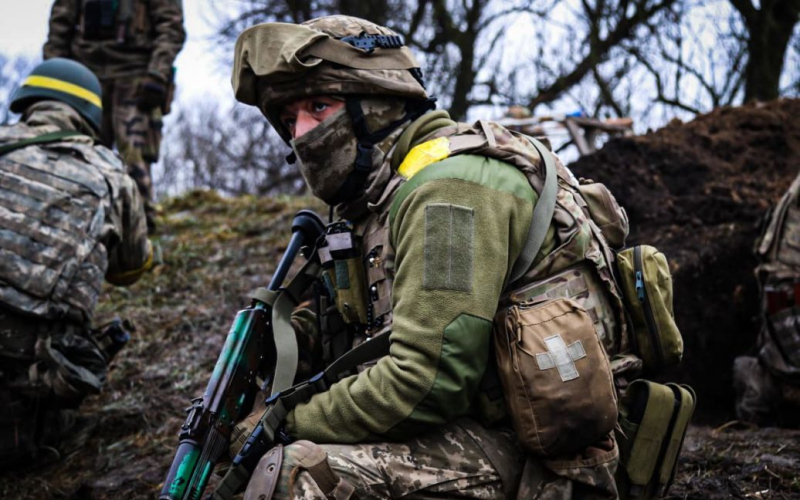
<point>769,31</point>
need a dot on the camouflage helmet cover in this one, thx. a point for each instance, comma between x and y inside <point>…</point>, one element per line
<point>276,63</point>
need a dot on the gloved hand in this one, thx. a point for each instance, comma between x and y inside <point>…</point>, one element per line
<point>152,93</point>
<point>242,430</point>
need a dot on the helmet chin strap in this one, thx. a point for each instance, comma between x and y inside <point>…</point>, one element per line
<point>354,184</point>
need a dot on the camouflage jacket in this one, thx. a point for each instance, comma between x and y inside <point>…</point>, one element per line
<point>144,37</point>
<point>778,274</point>
<point>438,248</point>
<point>69,215</point>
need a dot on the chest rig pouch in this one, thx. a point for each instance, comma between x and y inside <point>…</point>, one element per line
<point>343,273</point>
<point>106,19</point>
<point>99,19</point>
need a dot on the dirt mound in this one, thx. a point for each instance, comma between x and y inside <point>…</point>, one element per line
<point>697,191</point>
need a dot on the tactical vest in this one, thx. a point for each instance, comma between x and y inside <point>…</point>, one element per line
<point>52,215</point>
<point>579,267</point>
<point>116,20</point>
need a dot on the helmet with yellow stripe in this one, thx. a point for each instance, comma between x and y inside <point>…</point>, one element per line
<point>63,80</point>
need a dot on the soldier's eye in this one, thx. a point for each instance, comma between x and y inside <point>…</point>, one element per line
<point>319,106</point>
<point>289,123</point>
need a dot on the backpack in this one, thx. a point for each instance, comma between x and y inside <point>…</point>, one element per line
<point>651,421</point>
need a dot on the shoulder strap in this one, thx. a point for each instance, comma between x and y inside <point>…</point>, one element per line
<point>39,139</point>
<point>542,214</point>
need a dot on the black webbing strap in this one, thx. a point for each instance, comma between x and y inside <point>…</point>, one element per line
<point>370,350</point>
<point>39,139</point>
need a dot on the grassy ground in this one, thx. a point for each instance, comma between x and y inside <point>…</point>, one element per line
<point>216,251</point>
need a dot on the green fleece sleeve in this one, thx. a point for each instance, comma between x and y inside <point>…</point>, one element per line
<point>457,227</point>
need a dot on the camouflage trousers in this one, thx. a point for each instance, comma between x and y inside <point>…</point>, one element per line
<point>458,460</point>
<point>135,133</point>
<point>46,369</point>
<point>761,397</point>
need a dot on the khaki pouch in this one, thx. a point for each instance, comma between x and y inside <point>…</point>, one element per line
<point>647,290</point>
<point>653,419</point>
<point>605,212</point>
<point>347,278</point>
<point>556,377</point>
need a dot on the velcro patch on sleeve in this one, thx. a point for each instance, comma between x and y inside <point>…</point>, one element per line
<point>449,236</point>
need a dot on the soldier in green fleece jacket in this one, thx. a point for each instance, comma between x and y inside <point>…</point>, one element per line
<point>440,228</point>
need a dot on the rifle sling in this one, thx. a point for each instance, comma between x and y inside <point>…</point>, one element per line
<point>283,303</point>
<point>39,139</point>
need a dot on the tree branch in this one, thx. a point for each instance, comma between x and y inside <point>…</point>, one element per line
<point>599,51</point>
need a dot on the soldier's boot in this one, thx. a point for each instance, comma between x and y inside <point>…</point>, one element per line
<point>756,392</point>
<point>28,434</point>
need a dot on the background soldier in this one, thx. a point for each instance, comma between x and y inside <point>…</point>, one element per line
<point>768,384</point>
<point>69,215</point>
<point>131,46</point>
<point>436,235</point>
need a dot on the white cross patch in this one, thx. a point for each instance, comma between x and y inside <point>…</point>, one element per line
<point>561,357</point>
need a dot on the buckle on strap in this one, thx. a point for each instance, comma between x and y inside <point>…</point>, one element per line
<point>363,159</point>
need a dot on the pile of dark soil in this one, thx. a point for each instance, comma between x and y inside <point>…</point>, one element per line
<point>697,191</point>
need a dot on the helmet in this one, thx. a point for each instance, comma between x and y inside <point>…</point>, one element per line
<point>62,80</point>
<point>276,63</point>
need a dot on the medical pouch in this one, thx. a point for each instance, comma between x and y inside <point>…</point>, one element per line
<point>555,375</point>
<point>647,291</point>
<point>653,421</point>
<point>606,213</point>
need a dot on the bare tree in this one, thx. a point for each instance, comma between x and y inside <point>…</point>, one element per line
<point>606,25</point>
<point>234,152</point>
<point>647,59</point>
<point>770,25</point>
<point>448,35</point>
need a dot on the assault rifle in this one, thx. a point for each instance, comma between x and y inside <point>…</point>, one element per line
<point>260,344</point>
